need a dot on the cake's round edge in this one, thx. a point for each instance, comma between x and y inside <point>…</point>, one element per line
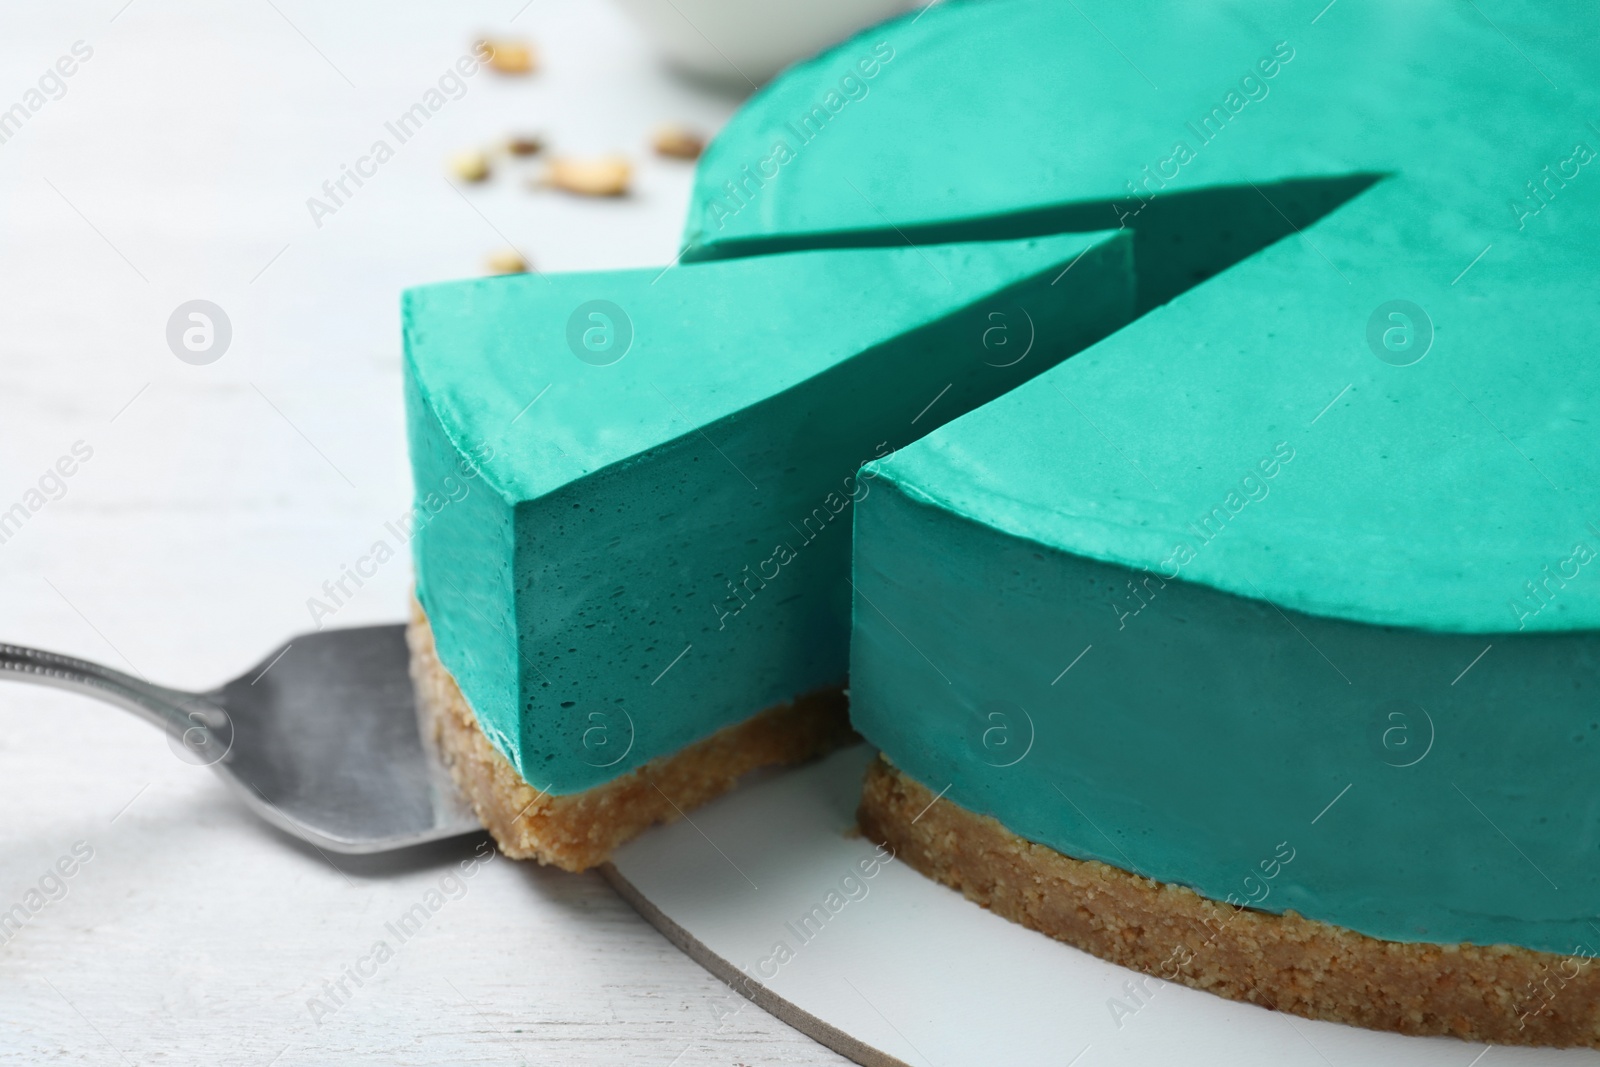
<point>1501,994</point>
<point>577,831</point>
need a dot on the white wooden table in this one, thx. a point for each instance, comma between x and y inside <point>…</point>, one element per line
<point>176,165</point>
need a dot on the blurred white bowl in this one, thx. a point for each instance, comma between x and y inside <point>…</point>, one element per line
<point>735,40</point>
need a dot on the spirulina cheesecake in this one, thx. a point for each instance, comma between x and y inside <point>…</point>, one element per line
<point>1255,647</point>
<point>633,584</point>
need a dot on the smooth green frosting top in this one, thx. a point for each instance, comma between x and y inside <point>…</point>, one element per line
<point>1430,495</point>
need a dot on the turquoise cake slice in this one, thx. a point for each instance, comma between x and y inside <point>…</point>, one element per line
<point>1257,646</point>
<point>635,488</point>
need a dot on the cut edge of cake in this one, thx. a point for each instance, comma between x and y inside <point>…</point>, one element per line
<point>577,831</point>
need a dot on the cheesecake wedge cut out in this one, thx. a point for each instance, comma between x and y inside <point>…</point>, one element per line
<point>637,491</point>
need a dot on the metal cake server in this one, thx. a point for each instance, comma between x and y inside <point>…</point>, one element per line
<point>320,739</point>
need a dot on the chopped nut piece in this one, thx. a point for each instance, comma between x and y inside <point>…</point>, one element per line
<point>520,145</point>
<point>507,261</point>
<point>508,57</point>
<point>679,142</point>
<point>606,176</point>
<point>470,166</point>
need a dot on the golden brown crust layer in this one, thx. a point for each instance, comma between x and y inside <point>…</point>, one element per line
<point>1499,993</point>
<point>579,830</point>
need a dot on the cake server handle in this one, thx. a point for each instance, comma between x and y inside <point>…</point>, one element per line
<point>177,712</point>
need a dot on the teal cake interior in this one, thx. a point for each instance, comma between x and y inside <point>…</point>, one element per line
<point>647,512</point>
<point>1280,515</point>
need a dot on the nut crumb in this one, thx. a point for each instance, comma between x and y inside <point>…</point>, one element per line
<point>605,176</point>
<point>506,261</point>
<point>678,142</point>
<point>470,166</point>
<point>509,57</point>
<point>524,145</point>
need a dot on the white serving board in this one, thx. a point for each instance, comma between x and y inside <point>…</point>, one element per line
<point>912,973</point>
